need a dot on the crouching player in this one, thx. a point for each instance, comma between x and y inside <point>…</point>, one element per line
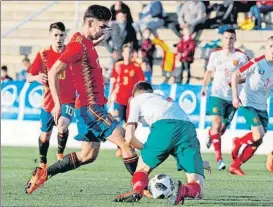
<point>171,134</point>
<point>253,98</point>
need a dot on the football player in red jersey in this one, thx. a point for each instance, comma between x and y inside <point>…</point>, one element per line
<point>125,75</point>
<point>95,124</point>
<point>39,72</point>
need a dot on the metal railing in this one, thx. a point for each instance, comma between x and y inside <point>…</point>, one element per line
<point>32,16</point>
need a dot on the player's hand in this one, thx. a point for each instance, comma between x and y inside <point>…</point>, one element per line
<point>236,102</point>
<point>204,91</point>
<point>206,166</point>
<point>118,152</point>
<point>97,41</point>
<point>41,78</point>
<point>56,112</point>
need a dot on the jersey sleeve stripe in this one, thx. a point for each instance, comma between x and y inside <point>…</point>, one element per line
<point>250,63</point>
<point>245,67</point>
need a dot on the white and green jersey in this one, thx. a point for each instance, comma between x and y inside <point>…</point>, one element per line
<point>223,66</point>
<point>259,82</point>
<point>147,108</point>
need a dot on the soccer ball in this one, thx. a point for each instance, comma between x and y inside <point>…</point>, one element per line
<point>161,186</point>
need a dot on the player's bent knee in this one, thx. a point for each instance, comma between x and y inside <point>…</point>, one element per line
<point>89,152</point>
<point>257,133</point>
<point>63,124</point>
<point>86,158</point>
<point>62,129</point>
<point>45,136</point>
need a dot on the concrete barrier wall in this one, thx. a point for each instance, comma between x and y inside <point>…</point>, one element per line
<point>26,133</point>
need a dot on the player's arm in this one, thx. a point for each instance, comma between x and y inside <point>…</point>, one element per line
<point>206,81</point>
<point>34,73</point>
<point>73,53</point>
<point>57,68</point>
<point>140,74</point>
<point>113,81</point>
<point>134,112</point>
<point>130,137</point>
<point>208,74</point>
<point>246,59</point>
<point>236,78</point>
<point>234,86</point>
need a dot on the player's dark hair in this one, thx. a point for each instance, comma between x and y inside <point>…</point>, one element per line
<point>98,12</point>
<point>232,31</point>
<point>26,60</point>
<point>270,38</point>
<point>57,25</point>
<point>122,10</point>
<point>4,68</point>
<point>128,45</point>
<point>143,86</point>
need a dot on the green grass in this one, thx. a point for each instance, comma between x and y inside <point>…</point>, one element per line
<point>97,184</point>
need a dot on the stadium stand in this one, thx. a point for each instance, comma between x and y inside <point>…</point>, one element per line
<point>35,35</point>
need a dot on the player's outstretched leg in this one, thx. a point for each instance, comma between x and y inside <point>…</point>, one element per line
<point>269,162</point>
<point>71,161</point>
<point>193,189</point>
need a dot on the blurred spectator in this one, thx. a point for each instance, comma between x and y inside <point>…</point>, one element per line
<point>225,15</point>
<point>262,7</point>
<point>191,14</point>
<point>125,75</point>
<point>26,63</point>
<point>185,54</point>
<point>117,7</point>
<point>147,47</point>
<point>122,33</point>
<point>243,6</point>
<point>146,68</point>
<point>22,75</point>
<point>4,74</point>
<point>151,17</point>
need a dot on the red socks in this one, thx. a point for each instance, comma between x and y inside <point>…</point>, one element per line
<point>191,190</point>
<point>247,153</point>
<point>247,139</point>
<point>140,181</point>
<point>216,141</point>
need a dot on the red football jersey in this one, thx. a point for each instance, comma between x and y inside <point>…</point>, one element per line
<point>42,63</point>
<point>87,73</point>
<point>126,76</point>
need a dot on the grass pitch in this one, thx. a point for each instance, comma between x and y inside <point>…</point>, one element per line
<point>97,184</point>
